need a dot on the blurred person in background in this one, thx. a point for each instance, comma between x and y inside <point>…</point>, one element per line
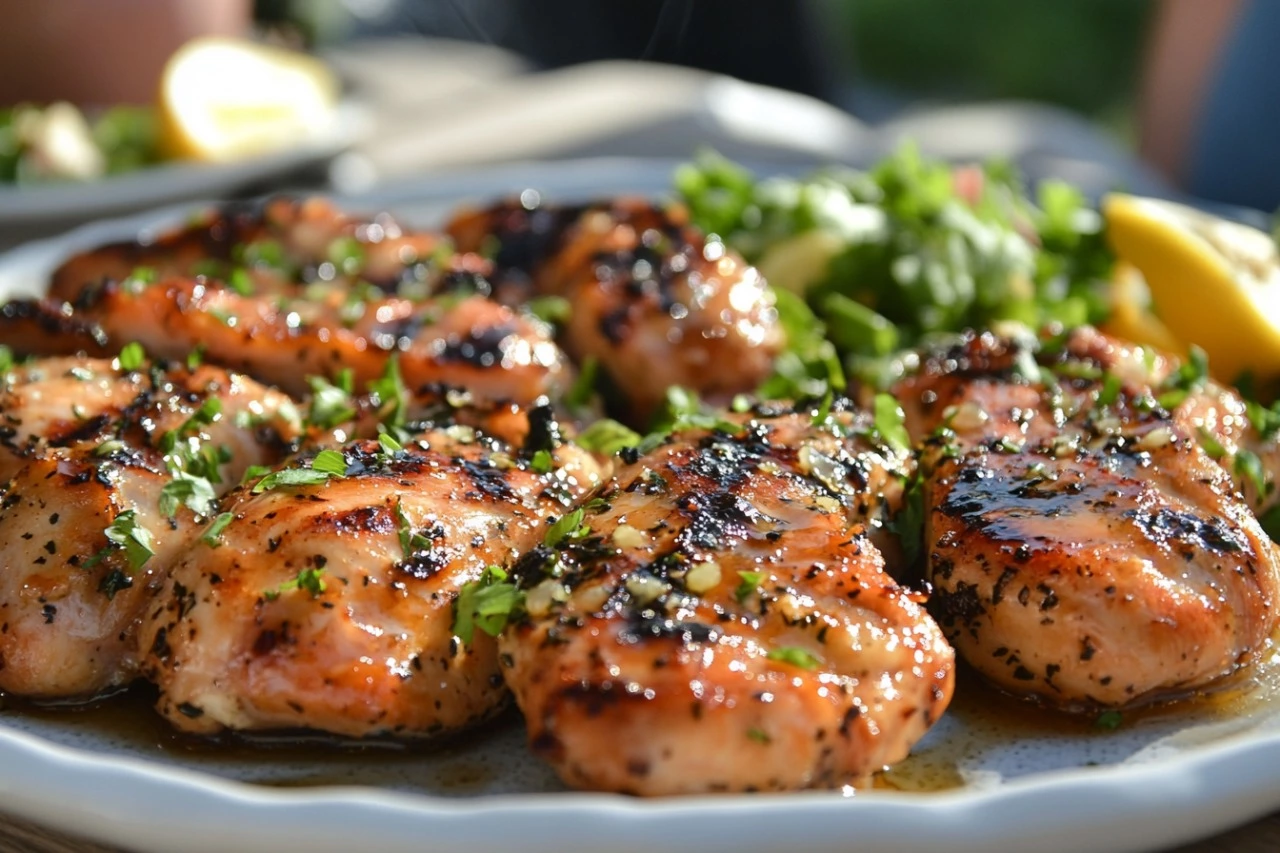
<point>1209,106</point>
<point>772,42</point>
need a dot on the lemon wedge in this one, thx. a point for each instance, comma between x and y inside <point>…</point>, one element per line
<point>1213,283</point>
<point>225,99</point>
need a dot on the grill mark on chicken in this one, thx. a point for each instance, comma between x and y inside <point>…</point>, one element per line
<point>364,644</point>
<point>650,672</point>
<point>1087,555</point>
<point>63,494</point>
<point>652,302</point>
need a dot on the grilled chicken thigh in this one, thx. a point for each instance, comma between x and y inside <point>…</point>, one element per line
<point>719,619</point>
<point>277,244</point>
<point>328,604</point>
<point>1085,545</point>
<point>652,301</point>
<point>97,504</point>
<point>283,340</point>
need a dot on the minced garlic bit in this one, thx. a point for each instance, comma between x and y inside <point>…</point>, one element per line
<point>792,608</point>
<point>1154,440</point>
<point>626,536</point>
<point>1065,445</point>
<point>702,576</point>
<point>967,416</point>
<point>645,588</point>
<point>539,600</point>
<point>589,599</point>
<point>804,459</point>
<point>827,503</point>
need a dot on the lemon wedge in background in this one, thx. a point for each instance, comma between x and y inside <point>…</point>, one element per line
<point>224,99</point>
<point>1213,283</point>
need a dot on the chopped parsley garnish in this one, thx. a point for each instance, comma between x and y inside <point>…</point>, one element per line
<point>6,359</point>
<point>307,580</point>
<point>684,411</point>
<point>795,656</point>
<point>261,253</point>
<point>542,462</point>
<point>824,409</point>
<point>209,412</point>
<point>108,447</point>
<point>889,423</point>
<point>1265,421</point>
<point>127,535</point>
<point>347,254</point>
<point>910,250</point>
<point>579,395</point>
<point>132,356</point>
<point>1078,370</point>
<point>194,465</point>
<point>253,472</point>
<point>330,462</point>
<point>1248,465</point>
<point>550,309</point>
<point>213,535</point>
<point>1110,390</point>
<point>326,465</point>
<point>208,268</point>
<point>411,542</point>
<point>1109,721</point>
<point>138,279</point>
<point>759,735</point>
<point>1211,445</point>
<point>1190,376</point>
<point>392,397</point>
<point>195,493</point>
<point>909,521</point>
<point>389,446</point>
<point>608,437</point>
<point>487,603</point>
<point>567,526</point>
<point>241,282</point>
<point>331,402</point>
<point>750,583</point>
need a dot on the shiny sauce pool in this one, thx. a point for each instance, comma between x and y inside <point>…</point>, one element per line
<point>980,723</point>
<point>984,721</point>
<point>451,766</point>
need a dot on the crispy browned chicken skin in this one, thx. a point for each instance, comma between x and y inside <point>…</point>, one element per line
<point>723,622</point>
<point>69,595</point>
<point>652,300</point>
<point>329,605</point>
<point>1085,546</point>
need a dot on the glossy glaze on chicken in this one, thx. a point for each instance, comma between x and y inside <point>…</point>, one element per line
<point>329,605</point>
<point>718,618</point>
<point>89,515</point>
<point>1085,545</point>
<point>725,608</point>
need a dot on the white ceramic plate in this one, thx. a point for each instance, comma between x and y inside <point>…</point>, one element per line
<point>988,778</point>
<point>170,182</point>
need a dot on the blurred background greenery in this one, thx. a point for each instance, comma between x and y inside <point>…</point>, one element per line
<point>945,51</point>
